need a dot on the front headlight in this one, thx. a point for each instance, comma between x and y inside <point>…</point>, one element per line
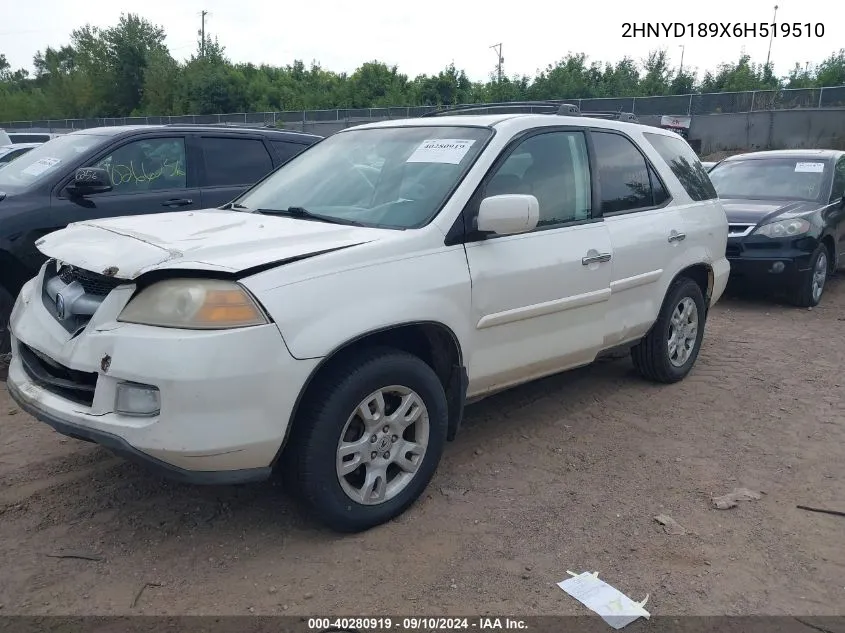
<point>784,228</point>
<point>195,304</point>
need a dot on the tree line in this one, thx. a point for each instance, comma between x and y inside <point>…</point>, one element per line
<point>127,70</point>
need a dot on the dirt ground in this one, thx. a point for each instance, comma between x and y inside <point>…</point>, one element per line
<point>563,474</point>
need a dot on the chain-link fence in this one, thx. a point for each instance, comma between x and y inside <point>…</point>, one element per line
<point>708,103</point>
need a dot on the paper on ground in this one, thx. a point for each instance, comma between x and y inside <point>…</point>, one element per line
<point>441,150</point>
<point>612,605</point>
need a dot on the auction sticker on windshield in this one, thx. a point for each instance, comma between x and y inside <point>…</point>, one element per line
<point>810,168</point>
<point>40,166</point>
<point>441,150</point>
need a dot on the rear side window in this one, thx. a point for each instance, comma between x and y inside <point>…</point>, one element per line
<point>285,151</point>
<point>234,161</point>
<point>684,164</point>
<point>623,174</point>
<point>838,181</point>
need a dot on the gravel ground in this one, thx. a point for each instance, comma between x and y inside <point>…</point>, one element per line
<point>564,473</point>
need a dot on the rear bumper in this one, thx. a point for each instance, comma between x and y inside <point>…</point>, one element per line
<point>721,274</point>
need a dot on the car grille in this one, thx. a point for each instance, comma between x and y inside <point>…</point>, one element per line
<point>733,250</point>
<point>93,283</point>
<point>77,386</point>
<point>82,292</point>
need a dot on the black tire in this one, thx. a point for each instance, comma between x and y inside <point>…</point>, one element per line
<point>7,302</point>
<point>803,295</point>
<point>311,453</point>
<point>651,355</point>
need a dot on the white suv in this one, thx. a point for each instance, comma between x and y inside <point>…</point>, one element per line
<point>334,319</point>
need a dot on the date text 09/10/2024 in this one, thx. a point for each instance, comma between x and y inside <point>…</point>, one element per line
<point>723,29</point>
<point>318,625</point>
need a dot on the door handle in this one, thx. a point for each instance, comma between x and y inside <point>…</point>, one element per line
<point>674,236</point>
<point>598,258</point>
<point>177,202</point>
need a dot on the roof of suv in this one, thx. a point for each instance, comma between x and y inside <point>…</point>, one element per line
<point>518,120</point>
<point>116,130</point>
<point>820,154</point>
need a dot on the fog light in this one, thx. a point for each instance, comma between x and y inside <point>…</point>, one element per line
<point>778,267</point>
<point>137,399</point>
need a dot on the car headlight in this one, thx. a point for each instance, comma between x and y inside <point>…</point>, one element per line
<point>784,228</point>
<point>195,304</point>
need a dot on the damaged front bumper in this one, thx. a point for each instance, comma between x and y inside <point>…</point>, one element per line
<point>224,397</point>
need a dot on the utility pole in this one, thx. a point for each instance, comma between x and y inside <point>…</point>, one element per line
<point>683,49</point>
<point>499,59</point>
<point>774,26</point>
<point>202,46</point>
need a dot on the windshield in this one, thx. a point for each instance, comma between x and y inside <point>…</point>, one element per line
<point>382,177</point>
<point>41,161</point>
<point>770,178</point>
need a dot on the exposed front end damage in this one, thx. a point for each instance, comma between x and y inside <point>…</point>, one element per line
<point>207,406</point>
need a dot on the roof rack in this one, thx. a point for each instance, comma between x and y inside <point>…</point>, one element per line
<point>560,108</point>
<point>240,126</point>
<point>555,106</point>
<point>630,117</point>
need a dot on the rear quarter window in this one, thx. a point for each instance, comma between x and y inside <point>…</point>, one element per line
<point>686,166</point>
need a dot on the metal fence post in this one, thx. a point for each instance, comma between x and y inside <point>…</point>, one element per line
<point>821,92</point>
<point>753,93</point>
<point>634,105</point>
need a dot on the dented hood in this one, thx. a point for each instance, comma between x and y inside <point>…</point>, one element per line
<point>214,239</point>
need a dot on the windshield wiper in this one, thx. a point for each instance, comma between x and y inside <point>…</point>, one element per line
<point>302,213</point>
<point>234,205</point>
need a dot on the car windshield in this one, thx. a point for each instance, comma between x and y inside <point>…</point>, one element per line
<point>382,177</point>
<point>770,178</point>
<point>41,161</point>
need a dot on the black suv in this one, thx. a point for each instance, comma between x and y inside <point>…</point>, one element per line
<point>125,170</point>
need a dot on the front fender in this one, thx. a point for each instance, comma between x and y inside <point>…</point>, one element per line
<point>318,315</point>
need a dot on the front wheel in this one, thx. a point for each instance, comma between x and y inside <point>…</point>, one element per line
<point>369,439</point>
<point>811,287</point>
<point>669,350</point>
<point>7,302</point>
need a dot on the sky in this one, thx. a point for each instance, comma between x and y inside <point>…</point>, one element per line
<point>425,36</point>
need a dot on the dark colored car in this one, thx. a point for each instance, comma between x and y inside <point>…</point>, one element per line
<point>141,169</point>
<point>31,137</point>
<point>786,211</point>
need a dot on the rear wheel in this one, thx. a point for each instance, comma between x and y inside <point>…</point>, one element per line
<point>811,287</point>
<point>670,349</point>
<point>368,440</point>
<point>7,302</point>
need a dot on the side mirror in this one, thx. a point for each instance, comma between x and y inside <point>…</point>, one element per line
<point>90,180</point>
<point>508,214</point>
